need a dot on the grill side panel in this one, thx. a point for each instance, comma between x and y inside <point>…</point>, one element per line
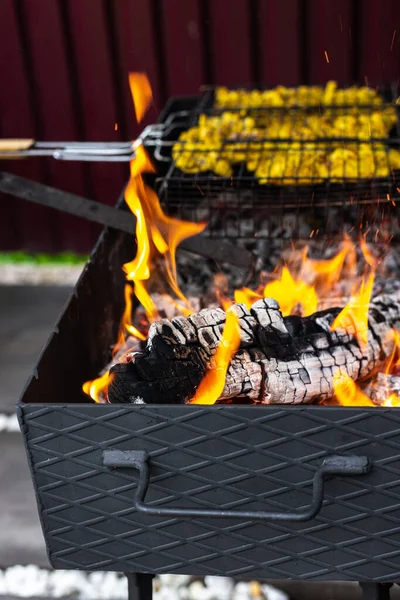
<point>246,458</point>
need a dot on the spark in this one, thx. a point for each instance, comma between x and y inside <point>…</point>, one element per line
<point>394,35</point>
<point>199,188</point>
<point>115,126</point>
<point>326,56</point>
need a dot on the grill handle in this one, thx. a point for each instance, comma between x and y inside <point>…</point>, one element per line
<point>331,466</point>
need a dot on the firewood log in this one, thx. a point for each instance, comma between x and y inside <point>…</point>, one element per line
<point>281,360</point>
<point>383,386</point>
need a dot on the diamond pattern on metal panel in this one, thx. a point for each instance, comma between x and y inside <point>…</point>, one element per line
<point>232,456</point>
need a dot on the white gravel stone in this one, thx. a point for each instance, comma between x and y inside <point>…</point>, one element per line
<point>25,582</point>
<point>241,591</point>
<point>174,580</point>
<point>272,593</point>
<point>221,587</point>
<point>167,593</point>
<point>197,591</point>
<point>9,423</point>
<point>32,581</point>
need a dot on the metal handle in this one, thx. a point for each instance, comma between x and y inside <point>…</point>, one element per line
<point>139,460</point>
<point>81,151</point>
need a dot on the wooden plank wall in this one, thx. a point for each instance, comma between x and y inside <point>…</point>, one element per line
<point>64,66</point>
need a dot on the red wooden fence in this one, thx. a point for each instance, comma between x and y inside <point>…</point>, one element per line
<point>64,67</point>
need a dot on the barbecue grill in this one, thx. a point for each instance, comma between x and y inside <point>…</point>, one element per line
<point>306,492</point>
<point>91,466</point>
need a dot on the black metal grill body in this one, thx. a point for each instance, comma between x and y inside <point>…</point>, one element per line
<point>231,457</point>
<point>247,458</point>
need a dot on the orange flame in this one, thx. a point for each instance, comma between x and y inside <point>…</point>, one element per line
<point>392,400</point>
<point>246,296</point>
<point>354,316</point>
<point>156,234</point>
<point>167,233</point>
<point>369,257</point>
<point>394,358</point>
<point>326,273</point>
<point>289,293</point>
<point>126,323</point>
<point>141,93</point>
<point>347,393</point>
<point>212,385</point>
<point>97,389</point>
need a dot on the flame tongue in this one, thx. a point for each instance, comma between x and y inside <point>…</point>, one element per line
<point>246,296</point>
<point>166,234</point>
<point>354,316</point>
<point>141,93</point>
<point>394,359</point>
<point>157,235</point>
<point>347,393</point>
<point>289,293</point>
<point>212,385</point>
<point>97,389</point>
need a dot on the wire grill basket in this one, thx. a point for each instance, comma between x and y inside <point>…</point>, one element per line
<point>280,160</point>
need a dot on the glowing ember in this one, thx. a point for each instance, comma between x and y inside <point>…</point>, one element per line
<point>354,315</point>
<point>97,389</point>
<point>141,93</point>
<point>211,386</point>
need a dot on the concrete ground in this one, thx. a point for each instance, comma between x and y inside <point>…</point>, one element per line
<point>27,316</point>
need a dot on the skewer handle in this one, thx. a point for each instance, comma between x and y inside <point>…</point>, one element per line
<point>12,148</point>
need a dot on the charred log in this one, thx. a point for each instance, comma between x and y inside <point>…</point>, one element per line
<point>281,360</point>
<point>383,386</point>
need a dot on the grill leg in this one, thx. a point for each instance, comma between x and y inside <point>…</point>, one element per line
<point>140,586</point>
<point>376,591</point>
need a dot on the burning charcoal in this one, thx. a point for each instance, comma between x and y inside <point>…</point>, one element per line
<point>382,387</point>
<point>281,360</point>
